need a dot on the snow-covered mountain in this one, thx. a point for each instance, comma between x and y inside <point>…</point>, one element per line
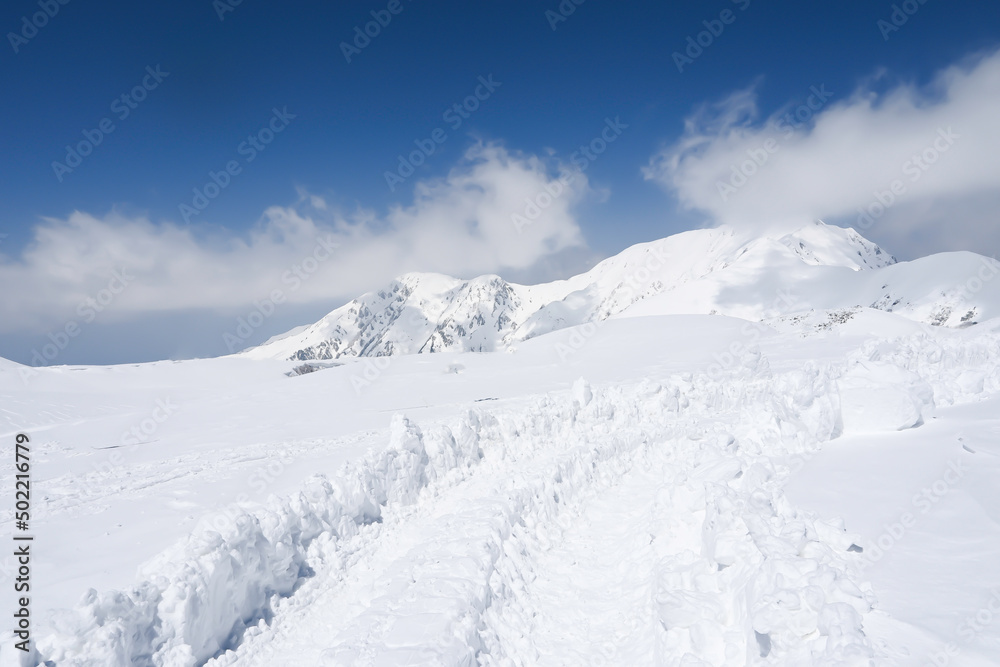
<point>708,271</point>
<point>747,492</point>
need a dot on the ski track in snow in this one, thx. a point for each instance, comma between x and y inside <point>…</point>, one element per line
<point>635,524</point>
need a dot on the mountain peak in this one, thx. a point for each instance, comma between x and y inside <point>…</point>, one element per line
<point>718,270</point>
<point>823,244</point>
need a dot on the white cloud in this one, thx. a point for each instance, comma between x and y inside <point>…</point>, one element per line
<point>460,225</point>
<point>849,153</point>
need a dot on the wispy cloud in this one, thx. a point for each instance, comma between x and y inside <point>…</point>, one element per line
<point>459,224</point>
<point>836,159</point>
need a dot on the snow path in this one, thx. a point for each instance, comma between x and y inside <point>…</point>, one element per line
<point>657,571</point>
<point>510,535</point>
<point>418,558</point>
<point>427,597</point>
<point>591,597</point>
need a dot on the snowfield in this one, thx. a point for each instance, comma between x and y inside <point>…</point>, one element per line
<point>803,486</point>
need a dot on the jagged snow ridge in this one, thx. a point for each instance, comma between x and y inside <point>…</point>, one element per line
<point>741,577</point>
<point>786,279</point>
<point>431,312</point>
<point>826,245</point>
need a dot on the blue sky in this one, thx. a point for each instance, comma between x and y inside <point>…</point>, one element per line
<point>342,125</point>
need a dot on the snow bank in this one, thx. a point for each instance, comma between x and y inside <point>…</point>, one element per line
<point>957,367</point>
<point>878,396</point>
<point>744,576</point>
<point>894,384</point>
<point>198,597</point>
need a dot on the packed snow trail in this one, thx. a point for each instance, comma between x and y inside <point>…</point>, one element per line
<point>460,594</point>
<point>667,566</point>
<point>479,541</point>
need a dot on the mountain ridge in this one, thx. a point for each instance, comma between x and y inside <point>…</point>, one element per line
<point>705,271</point>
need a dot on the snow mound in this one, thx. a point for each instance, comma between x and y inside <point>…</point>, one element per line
<point>879,397</point>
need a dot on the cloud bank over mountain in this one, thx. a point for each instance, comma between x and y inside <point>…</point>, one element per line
<point>912,166</point>
<point>460,224</point>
